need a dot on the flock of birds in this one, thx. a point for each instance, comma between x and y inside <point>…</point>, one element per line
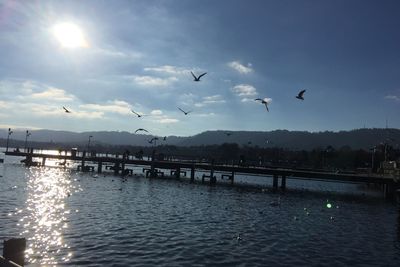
<point>264,101</point>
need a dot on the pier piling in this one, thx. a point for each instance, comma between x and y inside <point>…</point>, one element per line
<point>275,182</point>
<point>283,183</point>
<point>100,167</point>
<point>192,174</point>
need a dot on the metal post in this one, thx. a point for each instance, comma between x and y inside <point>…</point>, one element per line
<point>88,144</point>
<point>8,137</point>
<point>26,139</point>
<point>192,174</point>
<point>275,182</point>
<point>283,183</point>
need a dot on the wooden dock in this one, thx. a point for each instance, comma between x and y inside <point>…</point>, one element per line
<point>155,168</point>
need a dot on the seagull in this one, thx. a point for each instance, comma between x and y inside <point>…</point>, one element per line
<point>152,139</point>
<point>228,134</point>
<point>141,129</point>
<point>66,110</point>
<point>264,101</point>
<point>137,114</point>
<point>185,112</point>
<point>197,79</point>
<point>165,138</point>
<point>300,95</point>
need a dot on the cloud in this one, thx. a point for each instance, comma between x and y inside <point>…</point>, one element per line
<point>55,111</point>
<point>115,106</point>
<point>214,99</point>
<point>112,53</point>
<point>159,117</point>
<point>393,97</point>
<point>156,112</point>
<point>153,81</point>
<point>236,65</point>
<point>205,114</point>
<point>187,99</point>
<point>168,69</point>
<point>244,90</point>
<point>168,120</point>
<point>54,94</point>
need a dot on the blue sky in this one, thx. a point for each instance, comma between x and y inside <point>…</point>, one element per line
<point>138,55</point>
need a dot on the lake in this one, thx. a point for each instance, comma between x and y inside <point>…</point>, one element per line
<point>72,219</point>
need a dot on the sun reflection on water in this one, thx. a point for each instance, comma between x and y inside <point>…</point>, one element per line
<point>47,216</point>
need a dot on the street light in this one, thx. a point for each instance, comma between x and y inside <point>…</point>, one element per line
<point>8,137</point>
<point>26,139</point>
<point>88,144</point>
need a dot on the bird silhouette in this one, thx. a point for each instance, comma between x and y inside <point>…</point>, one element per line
<point>228,134</point>
<point>197,79</point>
<point>152,139</point>
<point>300,95</point>
<point>165,138</point>
<point>185,112</point>
<point>137,114</point>
<point>141,129</point>
<point>66,110</point>
<point>264,101</point>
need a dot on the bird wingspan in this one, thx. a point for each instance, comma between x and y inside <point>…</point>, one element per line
<point>202,75</point>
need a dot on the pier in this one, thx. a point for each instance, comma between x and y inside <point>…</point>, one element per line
<point>119,164</point>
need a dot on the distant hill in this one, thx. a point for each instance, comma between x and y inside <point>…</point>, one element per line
<point>297,140</point>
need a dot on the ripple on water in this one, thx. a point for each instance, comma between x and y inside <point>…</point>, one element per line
<point>74,219</point>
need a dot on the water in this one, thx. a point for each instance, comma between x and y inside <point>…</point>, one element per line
<point>73,219</point>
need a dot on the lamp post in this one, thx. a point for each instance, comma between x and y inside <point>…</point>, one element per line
<point>26,139</point>
<point>8,137</point>
<point>88,144</point>
<point>373,149</point>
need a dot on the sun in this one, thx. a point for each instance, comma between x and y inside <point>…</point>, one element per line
<point>69,35</point>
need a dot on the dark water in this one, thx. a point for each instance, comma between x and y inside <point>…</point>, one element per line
<point>77,219</point>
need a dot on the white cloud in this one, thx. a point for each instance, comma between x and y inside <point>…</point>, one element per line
<point>167,120</point>
<point>244,90</point>
<point>113,53</point>
<point>54,94</point>
<point>393,97</point>
<point>247,99</point>
<point>168,69</point>
<point>156,112</point>
<point>154,81</point>
<point>187,99</point>
<point>206,114</point>
<point>115,106</point>
<point>214,99</point>
<point>236,65</point>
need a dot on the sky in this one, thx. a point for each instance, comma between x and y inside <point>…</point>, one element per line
<point>102,59</point>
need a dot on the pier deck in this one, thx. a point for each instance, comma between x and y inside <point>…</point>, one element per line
<point>177,167</point>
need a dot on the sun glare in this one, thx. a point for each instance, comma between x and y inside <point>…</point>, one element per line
<point>69,35</point>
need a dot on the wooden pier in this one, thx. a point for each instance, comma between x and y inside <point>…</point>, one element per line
<point>153,168</point>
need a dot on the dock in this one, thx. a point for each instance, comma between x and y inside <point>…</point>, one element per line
<point>120,164</point>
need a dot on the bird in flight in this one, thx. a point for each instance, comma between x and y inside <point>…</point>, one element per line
<point>152,139</point>
<point>264,101</point>
<point>141,129</point>
<point>66,110</point>
<point>300,95</point>
<point>137,114</point>
<point>185,112</point>
<point>197,79</point>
